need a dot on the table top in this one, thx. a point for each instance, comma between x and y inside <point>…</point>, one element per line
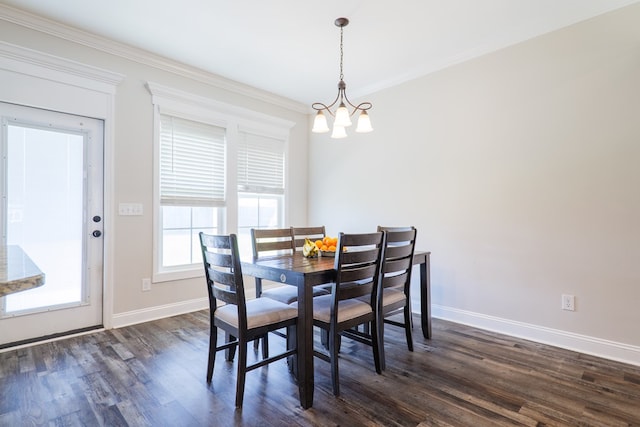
<point>297,269</point>
<point>17,271</point>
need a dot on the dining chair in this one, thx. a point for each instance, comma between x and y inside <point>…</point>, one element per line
<point>273,241</point>
<point>243,320</point>
<point>353,299</point>
<point>395,294</point>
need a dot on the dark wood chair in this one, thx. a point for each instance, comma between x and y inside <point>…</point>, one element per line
<point>311,233</point>
<point>243,320</point>
<point>354,298</point>
<point>273,241</point>
<point>395,286</point>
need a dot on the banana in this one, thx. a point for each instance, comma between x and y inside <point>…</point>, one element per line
<point>309,249</point>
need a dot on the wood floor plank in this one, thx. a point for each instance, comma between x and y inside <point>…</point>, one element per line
<point>153,374</point>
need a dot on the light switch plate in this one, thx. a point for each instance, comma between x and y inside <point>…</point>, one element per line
<point>130,209</point>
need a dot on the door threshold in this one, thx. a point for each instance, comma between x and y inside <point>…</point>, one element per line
<point>50,338</point>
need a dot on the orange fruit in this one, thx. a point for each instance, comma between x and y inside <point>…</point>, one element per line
<point>332,248</point>
<point>324,248</point>
<point>326,240</point>
<point>318,244</point>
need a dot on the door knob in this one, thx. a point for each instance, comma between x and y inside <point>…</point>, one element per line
<point>97,233</point>
<point>97,218</point>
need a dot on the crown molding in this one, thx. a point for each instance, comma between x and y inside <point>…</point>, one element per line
<point>23,60</point>
<point>59,30</point>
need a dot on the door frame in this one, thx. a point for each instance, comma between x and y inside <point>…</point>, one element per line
<point>39,80</point>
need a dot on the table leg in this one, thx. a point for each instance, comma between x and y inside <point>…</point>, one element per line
<point>425,297</point>
<point>305,345</point>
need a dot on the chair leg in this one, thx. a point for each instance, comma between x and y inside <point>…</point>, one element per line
<point>265,345</point>
<point>376,344</point>
<point>333,353</point>
<point>380,327</point>
<point>242,372</point>
<point>230,352</point>
<point>213,340</point>
<point>407,327</point>
<point>324,338</point>
<point>292,361</point>
<point>258,281</point>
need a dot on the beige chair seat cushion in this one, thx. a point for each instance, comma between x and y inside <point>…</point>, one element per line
<point>347,309</point>
<point>391,296</point>
<point>260,312</point>
<point>289,294</point>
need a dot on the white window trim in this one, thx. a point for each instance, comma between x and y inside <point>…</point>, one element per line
<point>189,106</point>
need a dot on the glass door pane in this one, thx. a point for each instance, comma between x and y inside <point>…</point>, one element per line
<point>45,205</point>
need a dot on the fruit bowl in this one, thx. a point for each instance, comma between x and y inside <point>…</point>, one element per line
<point>328,253</point>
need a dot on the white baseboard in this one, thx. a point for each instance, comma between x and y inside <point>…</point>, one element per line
<point>571,341</point>
<point>154,313</point>
<point>581,343</point>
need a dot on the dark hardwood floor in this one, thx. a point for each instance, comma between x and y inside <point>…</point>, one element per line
<point>154,374</point>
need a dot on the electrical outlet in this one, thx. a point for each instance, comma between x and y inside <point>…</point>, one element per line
<point>568,302</point>
<point>146,284</point>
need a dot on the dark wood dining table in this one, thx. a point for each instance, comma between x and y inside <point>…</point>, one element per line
<point>304,273</point>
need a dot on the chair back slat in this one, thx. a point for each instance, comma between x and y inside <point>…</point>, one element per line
<point>356,291</point>
<point>356,256</point>
<point>219,259</point>
<point>392,252</point>
<point>311,233</point>
<point>397,281</point>
<point>400,234</point>
<point>358,273</point>
<point>271,240</point>
<point>397,264</point>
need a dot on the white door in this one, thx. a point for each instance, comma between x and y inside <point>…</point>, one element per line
<point>51,183</point>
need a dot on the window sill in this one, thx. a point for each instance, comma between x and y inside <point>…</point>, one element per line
<point>169,276</point>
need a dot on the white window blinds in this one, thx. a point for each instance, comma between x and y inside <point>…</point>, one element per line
<point>260,164</point>
<point>192,163</point>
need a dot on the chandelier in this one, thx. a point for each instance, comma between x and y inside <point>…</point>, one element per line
<point>342,117</point>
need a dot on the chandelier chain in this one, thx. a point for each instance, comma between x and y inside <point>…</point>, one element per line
<point>341,54</point>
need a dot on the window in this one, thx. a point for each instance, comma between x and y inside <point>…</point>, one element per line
<point>192,187</point>
<point>218,169</point>
<point>260,185</point>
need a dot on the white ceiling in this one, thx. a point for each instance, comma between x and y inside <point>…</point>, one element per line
<point>291,47</point>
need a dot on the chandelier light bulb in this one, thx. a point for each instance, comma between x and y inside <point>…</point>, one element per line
<point>320,123</point>
<point>338,132</point>
<point>364,123</point>
<point>342,116</point>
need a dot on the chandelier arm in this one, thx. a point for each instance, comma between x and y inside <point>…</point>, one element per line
<point>320,106</point>
<point>363,106</point>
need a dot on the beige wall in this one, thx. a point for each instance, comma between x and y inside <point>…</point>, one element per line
<point>521,171</point>
<point>129,255</point>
